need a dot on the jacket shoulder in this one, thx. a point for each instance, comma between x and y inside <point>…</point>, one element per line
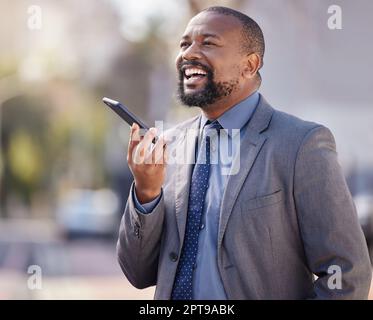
<point>291,132</point>
<point>291,123</point>
<point>292,128</point>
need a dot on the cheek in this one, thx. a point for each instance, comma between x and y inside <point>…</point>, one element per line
<point>178,61</point>
<point>227,72</point>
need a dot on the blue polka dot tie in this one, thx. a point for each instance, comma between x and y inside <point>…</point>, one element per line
<point>182,289</point>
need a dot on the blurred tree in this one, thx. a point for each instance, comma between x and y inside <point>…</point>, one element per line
<point>23,128</point>
<point>25,158</point>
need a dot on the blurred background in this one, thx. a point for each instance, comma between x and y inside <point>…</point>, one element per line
<point>64,178</point>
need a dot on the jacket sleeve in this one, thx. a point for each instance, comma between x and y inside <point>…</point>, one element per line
<point>139,241</point>
<point>333,241</point>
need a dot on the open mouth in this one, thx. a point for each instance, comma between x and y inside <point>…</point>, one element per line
<point>194,75</point>
<point>193,72</point>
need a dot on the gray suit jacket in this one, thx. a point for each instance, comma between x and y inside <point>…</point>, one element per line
<point>285,217</point>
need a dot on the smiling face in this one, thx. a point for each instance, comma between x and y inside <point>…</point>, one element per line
<point>211,64</point>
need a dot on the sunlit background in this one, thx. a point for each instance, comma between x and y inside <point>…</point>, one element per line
<point>64,178</point>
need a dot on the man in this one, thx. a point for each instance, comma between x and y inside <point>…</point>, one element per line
<point>259,225</point>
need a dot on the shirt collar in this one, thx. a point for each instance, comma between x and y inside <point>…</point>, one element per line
<point>237,116</point>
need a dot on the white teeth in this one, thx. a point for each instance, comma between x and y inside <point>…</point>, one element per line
<point>191,71</point>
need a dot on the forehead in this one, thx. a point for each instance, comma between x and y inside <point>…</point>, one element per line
<point>213,23</point>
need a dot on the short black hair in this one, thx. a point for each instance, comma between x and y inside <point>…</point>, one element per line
<point>252,34</point>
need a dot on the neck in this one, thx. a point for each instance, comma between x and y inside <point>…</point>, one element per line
<point>215,110</point>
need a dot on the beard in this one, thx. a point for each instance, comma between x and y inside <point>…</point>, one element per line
<point>209,94</point>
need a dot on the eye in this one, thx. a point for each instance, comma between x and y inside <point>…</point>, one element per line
<point>184,44</point>
<point>208,43</point>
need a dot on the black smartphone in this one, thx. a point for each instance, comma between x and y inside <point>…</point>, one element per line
<point>124,113</point>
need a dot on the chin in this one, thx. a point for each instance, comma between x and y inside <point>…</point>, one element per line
<point>198,97</point>
<point>196,100</point>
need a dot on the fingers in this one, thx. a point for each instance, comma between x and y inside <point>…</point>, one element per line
<point>134,139</point>
<point>142,149</point>
<point>159,151</point>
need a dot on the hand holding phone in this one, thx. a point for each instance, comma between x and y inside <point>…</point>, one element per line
<point>148,175</point>
<point>147,164</point>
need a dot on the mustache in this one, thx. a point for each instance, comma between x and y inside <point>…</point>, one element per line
<point>194,64</point>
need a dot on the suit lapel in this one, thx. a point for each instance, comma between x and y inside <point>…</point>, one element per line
<point>251,144</point>
<point>186,157</point>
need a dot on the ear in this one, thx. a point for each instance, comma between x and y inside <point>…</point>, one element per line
<point>252,63</point>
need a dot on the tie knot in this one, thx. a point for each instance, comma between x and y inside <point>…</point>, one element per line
<point>214,125</point>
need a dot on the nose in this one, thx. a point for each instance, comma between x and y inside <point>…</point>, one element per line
<point>192,52</point>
